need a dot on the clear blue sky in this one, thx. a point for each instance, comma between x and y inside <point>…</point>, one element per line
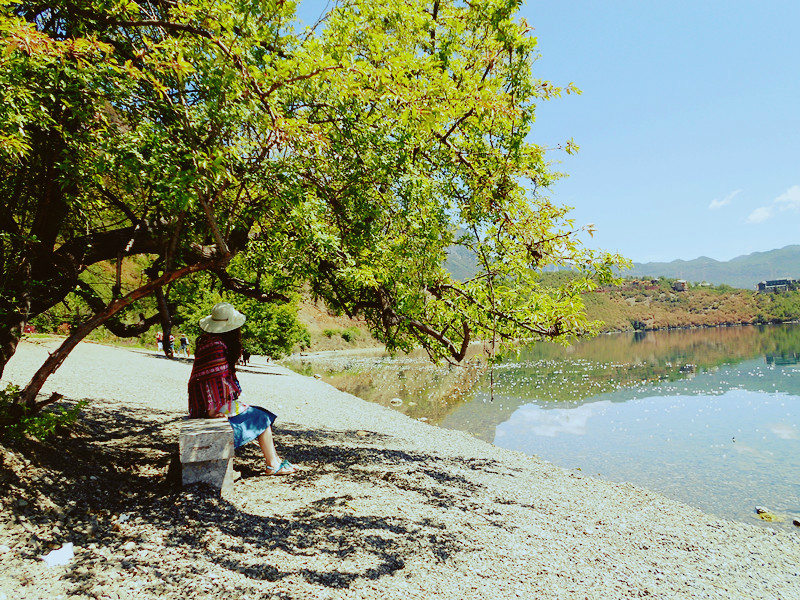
<point>689,122</point>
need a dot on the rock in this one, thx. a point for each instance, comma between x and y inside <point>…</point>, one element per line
<point>395,402</point>
<point>796,522</point>
<point>362,433</point>
<point>766,515</point>
<point>129,547</point>
<point>4,549</point>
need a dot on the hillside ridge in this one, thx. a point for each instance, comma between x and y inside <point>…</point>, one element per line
<point>744,271</point>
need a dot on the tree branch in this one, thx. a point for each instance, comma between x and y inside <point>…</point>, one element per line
<point>244,288</point>
<point>113,324</point>
<point>54,361</point>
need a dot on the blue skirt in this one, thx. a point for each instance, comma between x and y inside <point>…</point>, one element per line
<point>250,424</point>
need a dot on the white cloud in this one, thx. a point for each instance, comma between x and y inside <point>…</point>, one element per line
<point>760,215</point>
<point>553,422</point>
<point>789,200</point>
<point>784,431</point>
<point>717,203</point>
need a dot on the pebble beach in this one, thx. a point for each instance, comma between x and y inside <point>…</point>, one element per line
<point>384,507</point>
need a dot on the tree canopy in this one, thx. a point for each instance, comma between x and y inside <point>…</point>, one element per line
<point>342,159</point>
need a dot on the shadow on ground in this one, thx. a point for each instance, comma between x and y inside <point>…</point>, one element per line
<point>116,461</point>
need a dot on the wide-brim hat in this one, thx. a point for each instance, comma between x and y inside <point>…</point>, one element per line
<point>224,317</point>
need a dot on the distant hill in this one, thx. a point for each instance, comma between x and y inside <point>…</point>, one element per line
<point>741,272</point>
<point>461,263</point>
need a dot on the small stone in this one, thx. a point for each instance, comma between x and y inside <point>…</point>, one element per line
<point>362,433</point>
<point>129,547</point>
<point>796,522</point>
<point>395,402</point>
<point>4,549</point>
<point>22,503</point>
<point>765,515</point>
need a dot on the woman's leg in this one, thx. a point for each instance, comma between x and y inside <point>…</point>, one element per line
<point>270,454</point>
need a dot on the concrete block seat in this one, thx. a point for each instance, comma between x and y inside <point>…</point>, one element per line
<point>206,453</point>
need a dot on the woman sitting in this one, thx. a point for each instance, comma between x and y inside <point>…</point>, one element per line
<point>214,390</point>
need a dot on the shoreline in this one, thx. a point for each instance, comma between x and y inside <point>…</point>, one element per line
<point>385,506</point>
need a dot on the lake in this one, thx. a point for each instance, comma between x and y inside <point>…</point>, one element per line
<point>710,417</point>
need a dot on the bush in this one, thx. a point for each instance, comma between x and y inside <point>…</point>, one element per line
<point>329,333</point>
<point>304,340</point>
<point>40,425</point>
<point>351,333</point>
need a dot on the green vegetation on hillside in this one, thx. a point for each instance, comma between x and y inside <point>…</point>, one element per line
<point>640,305</point>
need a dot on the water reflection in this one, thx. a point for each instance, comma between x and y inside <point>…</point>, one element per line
<point>707,416</point>
<point>723,453</point>
<point>773,358</point>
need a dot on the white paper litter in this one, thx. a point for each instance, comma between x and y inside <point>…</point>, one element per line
<point>59,557</point>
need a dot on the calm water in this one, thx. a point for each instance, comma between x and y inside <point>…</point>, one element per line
<point>710,417</point>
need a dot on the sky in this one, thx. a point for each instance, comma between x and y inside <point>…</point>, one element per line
<point>688,124</point>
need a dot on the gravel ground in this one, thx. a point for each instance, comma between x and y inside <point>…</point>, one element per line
<point>385,507</point>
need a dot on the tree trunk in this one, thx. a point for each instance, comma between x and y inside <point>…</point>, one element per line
<point>28,396</point>
<point>166,322</point>
<point>9,338</point>
<point>13,324</point>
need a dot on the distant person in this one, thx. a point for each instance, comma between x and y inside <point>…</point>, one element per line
<point>171,343</point>
<point>184,349</point>
<point>159,341</point>
<point>214,390</point>
<point>245,356</point>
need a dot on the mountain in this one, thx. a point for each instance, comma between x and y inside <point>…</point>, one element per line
<point>461,263</point>
<point>741,272</point>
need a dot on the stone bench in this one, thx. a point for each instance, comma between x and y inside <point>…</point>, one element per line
<point>206,453</point>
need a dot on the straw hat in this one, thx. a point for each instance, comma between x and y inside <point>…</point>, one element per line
<point>224,317</point>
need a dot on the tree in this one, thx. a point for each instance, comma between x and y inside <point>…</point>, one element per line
<point>343,159</point>
<point>271,329</point>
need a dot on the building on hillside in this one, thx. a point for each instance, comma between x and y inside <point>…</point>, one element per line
<point>681,285</point>
<point>777,285</point>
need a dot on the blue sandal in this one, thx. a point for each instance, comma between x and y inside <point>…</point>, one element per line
<point>285,468</point>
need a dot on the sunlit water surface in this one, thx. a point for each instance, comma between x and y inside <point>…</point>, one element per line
<point>708,417</point>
